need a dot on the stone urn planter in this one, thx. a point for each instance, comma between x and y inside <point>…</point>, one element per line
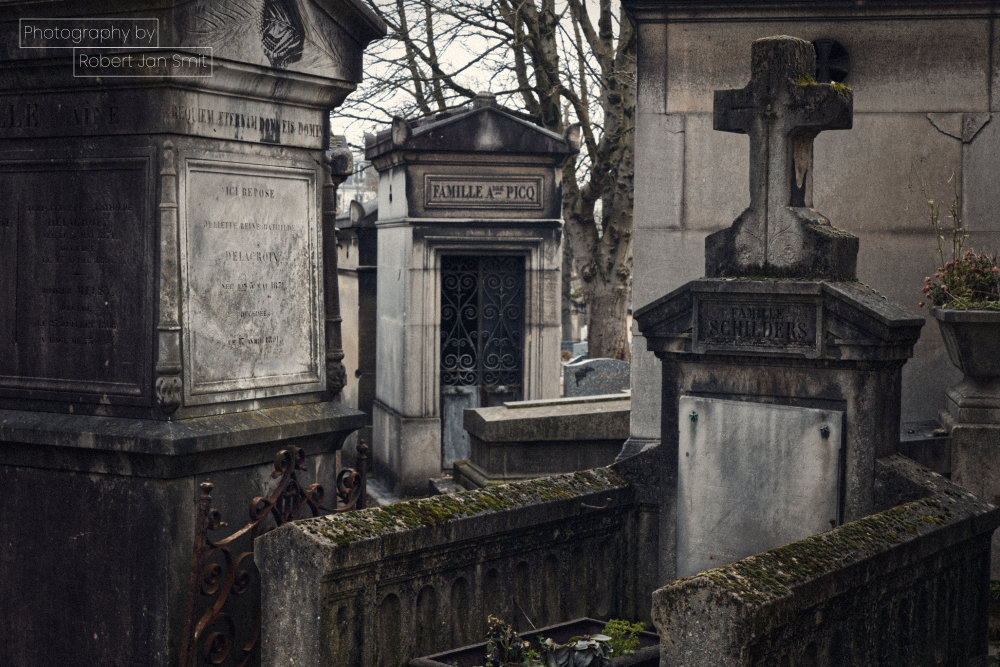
<point>972,338</point>
<point>648,654</point>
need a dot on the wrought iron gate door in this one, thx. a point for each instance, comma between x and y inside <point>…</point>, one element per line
<point>482,333</point>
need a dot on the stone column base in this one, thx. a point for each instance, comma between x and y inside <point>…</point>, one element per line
<point>975,401</point>
<point>975,465</point>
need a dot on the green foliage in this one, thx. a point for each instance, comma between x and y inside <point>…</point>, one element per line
<point>971,281</point>
<point>967,280</point>
<point>624,636</point>
<point>839,88</point>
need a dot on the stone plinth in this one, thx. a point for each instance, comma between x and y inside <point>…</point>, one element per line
<point>537,438</point>
<point>469,226</point>
<point>830,348</point>
<point>170,302</point>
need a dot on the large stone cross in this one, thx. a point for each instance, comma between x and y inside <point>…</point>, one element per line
<point>782,109</point>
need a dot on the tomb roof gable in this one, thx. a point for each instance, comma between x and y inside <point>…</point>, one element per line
<point>480,127</point>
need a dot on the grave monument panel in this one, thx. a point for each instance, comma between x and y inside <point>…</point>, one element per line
<point>78,310</point>
<point>780,465</point>
<point>250,249</point>
<point>592,377</point>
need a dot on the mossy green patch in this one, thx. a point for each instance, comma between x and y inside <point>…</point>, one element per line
<point>351,527</point>
<point>771,575</point>
<point>839,88</point>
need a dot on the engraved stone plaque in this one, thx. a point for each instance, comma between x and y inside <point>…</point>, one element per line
<point>499,192</point>
<point>746,325</point>
<point>252,297</point>
<point>751,477</point>
<point>74,253</point>
<point>125,111</point>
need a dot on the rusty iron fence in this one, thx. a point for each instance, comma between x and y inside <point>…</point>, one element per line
<point>222,624</point>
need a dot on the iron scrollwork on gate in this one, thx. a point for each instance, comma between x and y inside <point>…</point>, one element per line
<point>482,322</point>
<point>223,571</point>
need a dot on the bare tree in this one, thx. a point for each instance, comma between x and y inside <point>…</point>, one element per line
<point>555,62</point>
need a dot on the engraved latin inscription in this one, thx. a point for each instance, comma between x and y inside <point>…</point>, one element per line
<point>252,290</point>
<point>498,192</point>
<point>73,252</point>
<point>756,326</point>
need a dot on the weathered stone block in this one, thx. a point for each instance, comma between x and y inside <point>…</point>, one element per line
<point>384,585</point>
<point>885,52</point>
<point>535,438</point>
<point>866,592</point>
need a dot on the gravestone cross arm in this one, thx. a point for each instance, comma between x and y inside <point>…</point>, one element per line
<point>782,109</point>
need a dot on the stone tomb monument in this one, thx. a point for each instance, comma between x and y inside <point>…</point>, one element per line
<point>593,377</point>
<point>781,373</point>
<point>924,121</point>
<point>169,302</point>
<point>468,271</point>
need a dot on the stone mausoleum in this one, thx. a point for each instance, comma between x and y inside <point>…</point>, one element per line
<point>468,232</point>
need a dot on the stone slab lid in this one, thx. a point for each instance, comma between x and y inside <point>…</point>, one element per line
<point>575,418</point>
<point>479,127</point>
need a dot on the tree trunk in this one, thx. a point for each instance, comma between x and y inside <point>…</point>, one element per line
<point>608,306</point>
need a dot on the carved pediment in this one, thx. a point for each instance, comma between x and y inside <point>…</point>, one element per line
<point>481,127</point>
<point>807,319</point>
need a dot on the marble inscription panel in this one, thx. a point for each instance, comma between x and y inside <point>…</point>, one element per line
<point>140,112</point>
<point>751,477</point>
<point>252,284</point>
<point>756,326</point>
<point>471,192</point>
<point>74,253</point>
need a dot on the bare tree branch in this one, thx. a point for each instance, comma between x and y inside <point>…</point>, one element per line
<point>547,61</point>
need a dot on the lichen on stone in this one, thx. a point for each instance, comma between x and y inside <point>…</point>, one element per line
<point>771,575</point>
<point>839,88</point>
<point>349,527</point>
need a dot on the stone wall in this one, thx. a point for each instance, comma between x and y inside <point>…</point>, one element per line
<point>383,585</point>
<point>906,586</point>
